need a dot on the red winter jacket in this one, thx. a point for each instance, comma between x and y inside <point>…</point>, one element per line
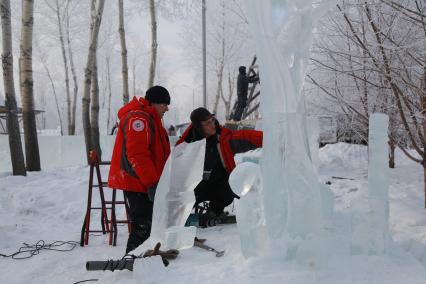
<point>141,148</point>
<point>230,142</point>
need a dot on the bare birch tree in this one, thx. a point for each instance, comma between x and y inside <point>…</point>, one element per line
<point>227,101</point>
<point>88,74</point>
<point>134,78</point>
<point>32,154</point>
<point>227,38</point>
<point>55,96</point>
<point>71,127</point>
<point>94,110</point>
<point>388,68</point>
<point>15,144</point>
<point>154,44</point>
<point>220,65</point>
<point>124,68</point>
<point>109,92</point>
<point>412,109</point>
<point>59,17</point>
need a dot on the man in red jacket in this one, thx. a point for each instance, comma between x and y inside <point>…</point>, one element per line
<point>221,146</point>
<point>140,152</point>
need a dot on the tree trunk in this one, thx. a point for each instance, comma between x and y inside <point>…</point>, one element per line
<point>65,59</point>
<point>392,147</point>
<point>71,128</point>
<point>423,112</point>
<point>219,87</point>
<point>134,79</point>
<point>15,144</point>
<point>54,95</point>
<point>154,44</point>
<point>32,154</point>
<point>227,102</point>
<point>88,77</point>
<point>124,68</point>
<point>94,114</point>
<point>109,94</point>
<point>222,62</point>
<point>424,178</point>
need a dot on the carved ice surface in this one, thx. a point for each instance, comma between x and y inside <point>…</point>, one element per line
<point>291,192</point>
<point>245,180</point>
<point>299,211</point>
<point>313,129</point>
<point>378,180</point>
<point>175,198</point>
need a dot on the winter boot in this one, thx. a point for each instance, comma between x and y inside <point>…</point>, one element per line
<point>138,235</point>
<point>208,219</point>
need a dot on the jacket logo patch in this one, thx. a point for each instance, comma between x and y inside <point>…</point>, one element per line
<point>138,125</point>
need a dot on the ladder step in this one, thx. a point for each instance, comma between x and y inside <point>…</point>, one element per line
<point>117,202</point>
<point>119,221</point>
<point>99,208</point>
<point>104,184</point>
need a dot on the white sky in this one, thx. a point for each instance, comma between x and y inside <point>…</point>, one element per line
<point>178,68</point>
<point>171,63</point>
<point>172,69</point>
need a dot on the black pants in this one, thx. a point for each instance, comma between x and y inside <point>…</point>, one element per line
<point>241,105</point>
<point>219,195</point>
<point>140,213</point>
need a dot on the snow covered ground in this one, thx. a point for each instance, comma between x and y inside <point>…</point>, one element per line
<point>50,206</point>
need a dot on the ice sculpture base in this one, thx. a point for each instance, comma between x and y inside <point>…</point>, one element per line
<point>180,237</point>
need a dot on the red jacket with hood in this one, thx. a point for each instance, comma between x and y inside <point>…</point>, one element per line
<point>141,148</point>
<point>230,142</point>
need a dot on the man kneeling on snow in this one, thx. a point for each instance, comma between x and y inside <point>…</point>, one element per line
<point>221,146</point>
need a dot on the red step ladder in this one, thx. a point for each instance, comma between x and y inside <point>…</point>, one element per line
<point>107,225</point>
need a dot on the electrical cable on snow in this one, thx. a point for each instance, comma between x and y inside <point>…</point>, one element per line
<point>88,280</point>
<point>31,250</point>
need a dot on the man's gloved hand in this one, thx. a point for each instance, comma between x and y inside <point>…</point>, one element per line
<point>151,192</point>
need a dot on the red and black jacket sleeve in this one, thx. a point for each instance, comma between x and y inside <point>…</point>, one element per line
<point>245,140</point>
<point>138,138</point>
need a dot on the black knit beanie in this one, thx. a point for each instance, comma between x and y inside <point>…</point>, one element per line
<point>200,114</point>
<point>157,95</point>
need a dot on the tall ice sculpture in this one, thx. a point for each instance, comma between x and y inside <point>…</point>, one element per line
<point>291,191</point>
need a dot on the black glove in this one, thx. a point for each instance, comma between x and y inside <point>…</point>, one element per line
<point>151,192</point>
